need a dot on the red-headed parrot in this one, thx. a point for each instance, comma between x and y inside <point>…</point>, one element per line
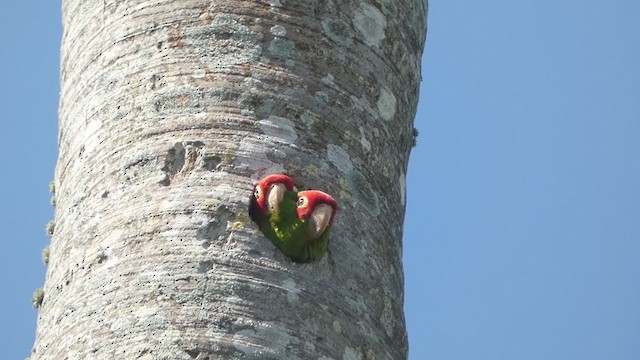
<point>266,199</point>
<point>304,223</point>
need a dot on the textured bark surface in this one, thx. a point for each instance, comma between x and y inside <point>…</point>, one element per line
<point>169,112</point>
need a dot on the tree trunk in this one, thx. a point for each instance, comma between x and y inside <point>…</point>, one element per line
<point>169,113</point>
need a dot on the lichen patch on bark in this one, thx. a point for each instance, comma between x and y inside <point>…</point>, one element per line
<point>371,23</point>
<point>223,43</point>
<point>386,104</point>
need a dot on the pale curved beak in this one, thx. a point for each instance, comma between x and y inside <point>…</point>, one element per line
<point>319,220</point>
<point>275,196</point>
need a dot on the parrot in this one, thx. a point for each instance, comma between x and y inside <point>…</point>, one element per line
<point>303,224</point>
<point>266,199</point>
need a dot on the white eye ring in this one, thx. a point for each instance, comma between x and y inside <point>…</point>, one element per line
<point>302,201</point>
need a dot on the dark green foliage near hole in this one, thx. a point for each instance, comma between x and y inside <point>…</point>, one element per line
<point>51,227</point>
<point>38,297</point>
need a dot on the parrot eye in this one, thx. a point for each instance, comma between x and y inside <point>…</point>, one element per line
<point>257,193</point>
<point>302,201</point>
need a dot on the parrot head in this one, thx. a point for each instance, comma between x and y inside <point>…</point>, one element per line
<point>270,190</point>
<point>318,208</point>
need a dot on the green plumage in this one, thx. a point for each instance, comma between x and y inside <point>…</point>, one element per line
<point>263,221</point>
<point>290,235</point>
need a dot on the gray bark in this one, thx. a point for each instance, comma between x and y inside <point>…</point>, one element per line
<point>169,112</point>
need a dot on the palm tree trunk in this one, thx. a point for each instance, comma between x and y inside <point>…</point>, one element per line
<point>169,111</point>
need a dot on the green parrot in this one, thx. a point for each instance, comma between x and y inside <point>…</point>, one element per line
<point>297,223</point>
<point>266,199</point>
<point>303,224</point>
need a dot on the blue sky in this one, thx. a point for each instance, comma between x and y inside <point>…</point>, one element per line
<point>522,231</point>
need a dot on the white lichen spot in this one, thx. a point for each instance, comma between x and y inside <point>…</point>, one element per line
<point>251,81</point>
<point>346,135</point>
<point>351,354</point>
<point>293,290</point>
<point>386,104</point>
<point>308,118</point>
<point>387,316</point>
<point>278,30</point>
<point>337,327</point>
<point>321,97</point>
<point>225,42</point>
<point>279,127</point>
<point>265,60</point>
<point>328,80</point>
<point>282,48</point>
<point>403,188</point>
<point>371,23</point>
<point>199,73</point>
<point>363,140</point>
<point>340,158</point>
